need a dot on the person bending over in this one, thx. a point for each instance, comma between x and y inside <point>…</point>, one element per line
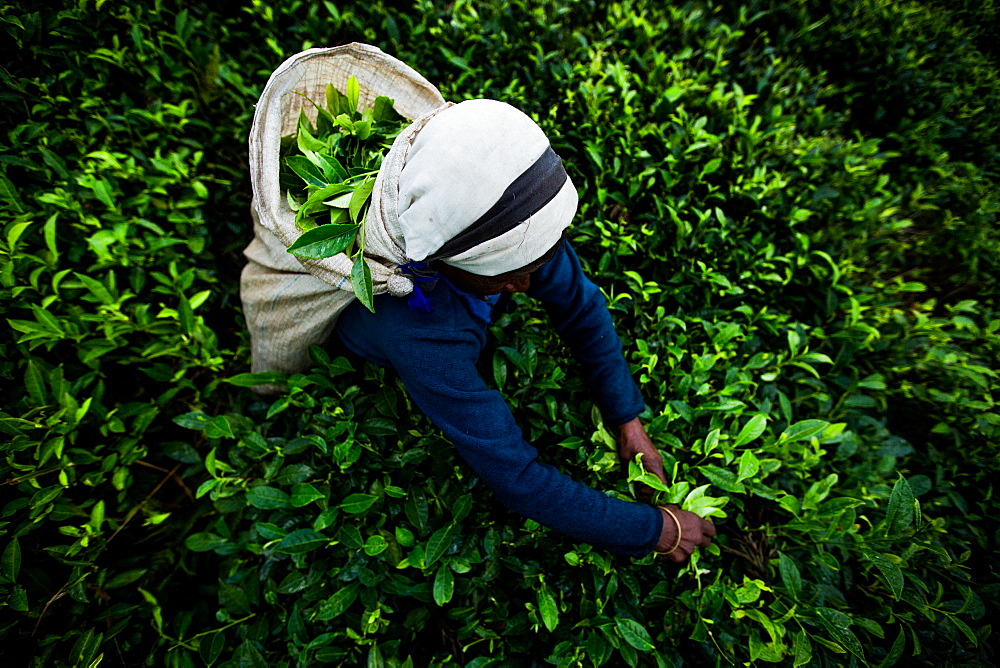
<point>482,206</point>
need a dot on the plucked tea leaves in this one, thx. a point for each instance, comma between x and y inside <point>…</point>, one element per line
<point>340,157</point>
<point>353,93</point>
<point>323,241</point>
<point>306,170</point>
<point>361,281</point>
<point>360,197</point>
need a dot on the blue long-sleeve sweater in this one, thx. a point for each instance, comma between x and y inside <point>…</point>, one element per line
<point>435,355</point>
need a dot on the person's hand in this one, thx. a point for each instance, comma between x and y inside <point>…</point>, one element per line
<point>633,440</point>
<point>694,532</point>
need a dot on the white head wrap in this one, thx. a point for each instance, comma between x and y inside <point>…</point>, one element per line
<point>458,167</point>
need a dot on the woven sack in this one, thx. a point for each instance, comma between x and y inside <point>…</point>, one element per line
<point>291,303</point>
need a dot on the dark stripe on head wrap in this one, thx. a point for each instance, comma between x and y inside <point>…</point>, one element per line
<point>523,198</point>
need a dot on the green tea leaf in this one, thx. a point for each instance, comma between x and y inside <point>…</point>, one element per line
<point>9,193</point>
<point>320,195</point>
<point>303,121</point>
<point>790,575</point>
<point>18,599</point>
<point>353,93</point>
<point>404,537</point>
<point>102,190</point>
<point>125,578</point>
<point>818,491</point>
<point>248,656</point>
<point>307,143</point>
<point>96,288</point>
<point>722,478</point>
<point>326,518</point>
<point>302,540</point>
<point>34,383</point>
<point>898,646</point>
<point>54,161</point>
<point>383,110</point>
<point>330,166</point>
<point>219,427</point>
<point>204,542</point>
<point>49,232</point>
<point>210,649</point>
<point>751,431</point>
<point>376,545</point>
<point>438,544</point>
<point>361,282</point>
<point>802,649</point>
<point>303,494</point>
<point>363,129</point>
<point>837,625</point>
<point>306,170</point>
<point>10,562</point>
<point>548,609</point>
<point>803,430</point>
<point>444,585</point>
<point>97,516</point>
<point>267,498</point>
<point>711,167</point>
<point>634,633</point>
<point>333,99</point>
<point>673,93</point>
<point>195,420</point>
<point>337,604</point>
<point>15,233</point>
<point>324,241</point>
<point>461,507</point>
<point>899,515</point>
<point>749,465</point>
<point>360,197</point>
<point>890,571</point>
<point>342,202</point>
<point>964,628</point>
<point>356,504</point>
<point>254,379</point>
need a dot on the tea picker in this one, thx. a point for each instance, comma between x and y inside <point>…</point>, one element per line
<point>469,203</point>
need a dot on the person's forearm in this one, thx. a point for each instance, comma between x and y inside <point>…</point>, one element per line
<point>580,314</point>
<point>551,498</point>
<point>479,424</point>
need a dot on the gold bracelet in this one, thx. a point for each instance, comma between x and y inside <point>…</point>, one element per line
<point>676,522</point>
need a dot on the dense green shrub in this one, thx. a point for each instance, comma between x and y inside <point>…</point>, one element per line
<point>792,208</point>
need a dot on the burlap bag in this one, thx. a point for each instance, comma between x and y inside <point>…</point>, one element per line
<point>291,303</point>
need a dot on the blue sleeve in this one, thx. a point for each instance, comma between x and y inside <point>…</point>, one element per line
<point>438,370</point>
<point>580,315</point>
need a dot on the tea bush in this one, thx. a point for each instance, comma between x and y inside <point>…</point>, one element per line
<point>791,206</point>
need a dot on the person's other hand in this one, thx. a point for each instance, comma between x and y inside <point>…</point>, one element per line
<point>695,532</point>
<point>633,440</point>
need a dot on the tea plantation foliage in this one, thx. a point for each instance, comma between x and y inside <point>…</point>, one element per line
<point>792,207</point>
